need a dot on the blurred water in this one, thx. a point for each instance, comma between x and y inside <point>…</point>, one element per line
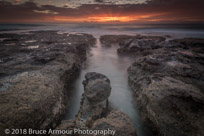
<point>106,61</point>
<point>176,31</point>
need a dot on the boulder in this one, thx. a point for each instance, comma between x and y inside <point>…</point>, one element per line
<point>97,87</point>
<point>94,103</point>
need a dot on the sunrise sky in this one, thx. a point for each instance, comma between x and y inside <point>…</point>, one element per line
<point>102,11</point>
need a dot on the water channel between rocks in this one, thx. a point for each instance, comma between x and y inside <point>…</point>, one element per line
<point>106,61</point>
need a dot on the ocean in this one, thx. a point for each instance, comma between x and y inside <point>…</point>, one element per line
<point>175,31</point>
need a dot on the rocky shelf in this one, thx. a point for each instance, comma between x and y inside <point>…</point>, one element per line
<point>167,79</point>
<point>36,71</point>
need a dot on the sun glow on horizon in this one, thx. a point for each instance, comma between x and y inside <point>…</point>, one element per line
<point>111,19</point>
<point>105,18</point>
<point>96,19</point>
<point>99,19</point>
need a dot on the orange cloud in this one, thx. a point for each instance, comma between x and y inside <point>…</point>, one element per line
<point>17,1</point>
<point>105,18</point>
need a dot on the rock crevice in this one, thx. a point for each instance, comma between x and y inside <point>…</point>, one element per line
<point>95,113</point>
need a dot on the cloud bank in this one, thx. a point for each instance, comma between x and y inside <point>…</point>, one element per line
<point>103,11</point>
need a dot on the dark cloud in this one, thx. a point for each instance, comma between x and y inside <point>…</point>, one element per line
<point>17,12</point>
<point>99,1</point>
<point>154,10</point>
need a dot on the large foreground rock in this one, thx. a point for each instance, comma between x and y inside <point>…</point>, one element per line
<point>116,121</point>
<point>36,71</point>
<point>169,87</point>
<point>97,89</point>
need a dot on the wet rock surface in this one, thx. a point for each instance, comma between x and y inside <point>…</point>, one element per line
<point>68,125</point>
<point>97,87</point>
<point>36,71</point>
<point>140,43</point>
<point>167,79</point>
<point>118,121</point>
<point>109,40</point>
<point>115,120</point>
<point>94,103</point>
